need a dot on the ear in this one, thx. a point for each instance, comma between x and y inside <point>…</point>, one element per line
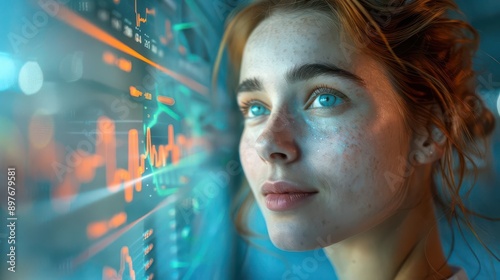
<point>428,144</point>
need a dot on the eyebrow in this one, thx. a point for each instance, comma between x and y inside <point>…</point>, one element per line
<point>248,85</point>
<point>301,73</point>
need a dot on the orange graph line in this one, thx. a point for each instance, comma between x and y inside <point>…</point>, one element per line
<point>158,155</point>
<point>79,23</point>
<point>138,18</point>
<point>100,228</point>
<point>105,156</point>
<point>109,273</point>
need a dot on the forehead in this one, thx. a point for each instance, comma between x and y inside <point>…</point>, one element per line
<point>286,39</point>
<point>296,23</point>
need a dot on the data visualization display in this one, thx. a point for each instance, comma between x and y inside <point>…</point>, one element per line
<point>122,163</point>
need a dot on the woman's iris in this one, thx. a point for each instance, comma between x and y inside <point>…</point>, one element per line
<point>257,110</point>
<point>327,100</point>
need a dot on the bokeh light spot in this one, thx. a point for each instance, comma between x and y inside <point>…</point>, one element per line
<point>30,78</point>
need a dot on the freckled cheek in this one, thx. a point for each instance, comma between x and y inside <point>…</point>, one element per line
<point>349,160</point>
<point>364,161</point>
<point>359,158</point>
<point>346,151</point>
<point>335,165</point>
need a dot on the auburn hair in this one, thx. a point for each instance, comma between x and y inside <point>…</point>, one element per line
<point>427,51</point>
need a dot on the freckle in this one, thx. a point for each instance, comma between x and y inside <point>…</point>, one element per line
<point>369,206</point>
<point>323,222</point>
<point>353,261</point>
<point>336,227</point>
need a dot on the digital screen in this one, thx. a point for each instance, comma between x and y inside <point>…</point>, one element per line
<point>118,164</point>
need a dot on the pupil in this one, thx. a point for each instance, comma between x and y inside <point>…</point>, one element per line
<point>326,100</point>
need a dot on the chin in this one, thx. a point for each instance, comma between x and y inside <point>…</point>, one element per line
<point>295,237</point>
<point>288,242</point>
<point>301,240</point>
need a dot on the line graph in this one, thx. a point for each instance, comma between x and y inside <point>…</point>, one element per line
<point>138,18</point>
<point>105,157</point>
<point>80,23</point>
<point>126,264</point>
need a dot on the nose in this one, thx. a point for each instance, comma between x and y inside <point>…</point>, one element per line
<point>276,143</point>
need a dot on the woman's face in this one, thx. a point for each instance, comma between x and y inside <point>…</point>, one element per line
<point>323,142</point>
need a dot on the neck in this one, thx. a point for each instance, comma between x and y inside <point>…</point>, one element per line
<point>406,246</point>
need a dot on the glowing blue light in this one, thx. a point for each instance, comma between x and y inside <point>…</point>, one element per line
<point>185,232</point>
<point>178,264</point>
<point>171,212</point>
<point>7,72</point>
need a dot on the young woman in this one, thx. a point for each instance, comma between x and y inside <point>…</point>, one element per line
<point>352,109</point>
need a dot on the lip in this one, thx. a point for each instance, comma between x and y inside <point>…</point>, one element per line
<point>283,196</point>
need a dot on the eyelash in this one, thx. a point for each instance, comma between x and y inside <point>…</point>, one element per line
<point>245,106</point>
<point>315,92</point>
<point>321,89</point>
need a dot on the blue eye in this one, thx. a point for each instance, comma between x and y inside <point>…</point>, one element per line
<point>257,110</point>
<point>327,100</point>
<point>326,97</point>
<point>253,108</point>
